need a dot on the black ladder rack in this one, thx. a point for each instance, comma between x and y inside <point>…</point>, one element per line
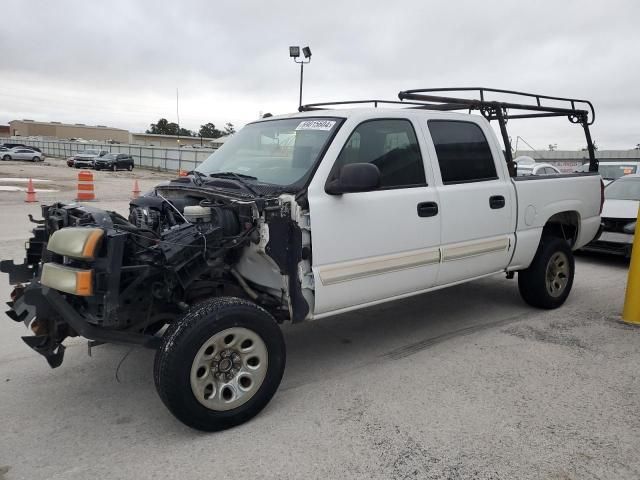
<point>576,110</point>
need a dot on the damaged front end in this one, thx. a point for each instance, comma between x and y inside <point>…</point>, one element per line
<point>110,279</point>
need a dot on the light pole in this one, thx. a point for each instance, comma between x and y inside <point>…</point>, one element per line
<point>294,52</point>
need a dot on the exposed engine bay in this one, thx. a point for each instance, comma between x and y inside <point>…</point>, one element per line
<point>181,244</point>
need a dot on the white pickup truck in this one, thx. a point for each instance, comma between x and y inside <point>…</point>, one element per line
<point>300,217</point>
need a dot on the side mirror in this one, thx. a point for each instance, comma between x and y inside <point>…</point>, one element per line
<point>355,177</point>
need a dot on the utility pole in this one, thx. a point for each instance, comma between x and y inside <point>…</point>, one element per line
<point>178,115</point>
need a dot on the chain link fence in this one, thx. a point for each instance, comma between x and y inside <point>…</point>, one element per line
<point>156,158</point>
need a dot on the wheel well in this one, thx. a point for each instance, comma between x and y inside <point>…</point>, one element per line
<point>563,225</point>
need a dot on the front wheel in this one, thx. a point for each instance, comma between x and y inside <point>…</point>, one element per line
<point>220,364</point>
<point>130,167</point>
<point>35,159</point>
<point>6,157</point>
<point>548,280</point>
<point>114,167</point>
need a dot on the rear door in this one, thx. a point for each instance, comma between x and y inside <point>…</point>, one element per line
<point>23,154</point>
<point>372,246</point>
<point>476,201</point>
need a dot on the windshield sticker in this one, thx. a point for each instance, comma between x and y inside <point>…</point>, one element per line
<point>316,125</point>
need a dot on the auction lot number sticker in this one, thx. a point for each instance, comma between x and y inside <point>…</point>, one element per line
<point>316,125</point>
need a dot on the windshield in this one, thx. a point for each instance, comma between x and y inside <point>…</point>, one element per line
<point>280,152</point>
<point>89,152</point>
<point>625,189</point>
<point>109,156</point>
<point>612,172</point>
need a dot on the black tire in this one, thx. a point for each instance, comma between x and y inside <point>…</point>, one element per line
<point>36,159</point>
<point>114,167</point>
<point>185,338</point>
<point>130,167</point>
<point>6,158</point>
<point>537,285</point>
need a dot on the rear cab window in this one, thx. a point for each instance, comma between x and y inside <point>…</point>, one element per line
<point>463,152</point>
<point>389,144</point>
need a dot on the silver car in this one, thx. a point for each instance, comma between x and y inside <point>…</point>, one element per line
<point>22,153</point>
<point>528,166</point>
<point>619,216</point>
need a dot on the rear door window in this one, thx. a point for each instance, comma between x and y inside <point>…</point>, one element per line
<point>463,152</point>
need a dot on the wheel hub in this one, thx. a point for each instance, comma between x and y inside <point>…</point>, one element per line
<point>557,274</point>
<point>226,365</point>
<point>229,368</point>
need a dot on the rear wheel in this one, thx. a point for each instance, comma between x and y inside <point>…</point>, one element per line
<point>130,167</point>
<point>220,364</point>
<point>548,280</point>
<point>114,167</point>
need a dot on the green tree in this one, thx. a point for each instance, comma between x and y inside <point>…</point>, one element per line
<point>164,127</point>
<point>209,130</point>
<point>183,132</point>
<point>229,129</point>
<point>159,128</point>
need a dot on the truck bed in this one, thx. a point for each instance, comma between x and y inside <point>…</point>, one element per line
<point>540,197</point>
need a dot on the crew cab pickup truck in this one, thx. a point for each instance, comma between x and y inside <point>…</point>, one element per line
<point>300,217</point>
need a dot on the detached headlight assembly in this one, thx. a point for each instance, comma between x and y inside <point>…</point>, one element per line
<point>630,228</point>
<point>76,242</point>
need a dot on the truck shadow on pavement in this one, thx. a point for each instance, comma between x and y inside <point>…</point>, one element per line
<point>115,387</point>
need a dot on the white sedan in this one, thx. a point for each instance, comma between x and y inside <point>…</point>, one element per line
<point>21,153</point>
<point>528,166</point>
<point>619,216</point>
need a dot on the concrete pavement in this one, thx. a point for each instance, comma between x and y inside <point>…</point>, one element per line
<point>463,383</point>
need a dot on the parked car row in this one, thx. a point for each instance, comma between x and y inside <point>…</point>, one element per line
<point>20,152</point>
<point>101,160</point>
<point>610,171</point>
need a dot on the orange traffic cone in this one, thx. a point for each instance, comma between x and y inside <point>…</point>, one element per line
<point>135,193</point>
<point>31,193</point>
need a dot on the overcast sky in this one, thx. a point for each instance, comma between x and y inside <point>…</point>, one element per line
<point>118,63</point>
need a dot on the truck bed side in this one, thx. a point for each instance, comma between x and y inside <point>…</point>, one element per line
<point>569,202</point>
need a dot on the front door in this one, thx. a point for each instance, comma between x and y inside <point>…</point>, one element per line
<point>477,201</point>
<point>371,246</point>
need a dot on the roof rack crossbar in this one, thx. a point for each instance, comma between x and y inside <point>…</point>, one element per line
<point>440,106</point>
<point>427,95</point>
<point>528,115</point>
<point>323,106</point>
